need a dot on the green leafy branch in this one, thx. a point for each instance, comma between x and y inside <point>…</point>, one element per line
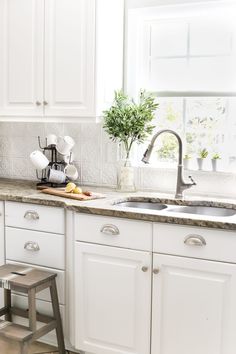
<point>127,121</point>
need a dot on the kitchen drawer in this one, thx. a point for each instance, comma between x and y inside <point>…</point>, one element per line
<point>60,280</point>
<point>44,308</point>
<point>35,217</point>
<point>1,213</point>
<point>113,231</point>
<point>47,250</point>
<point>202,243</point>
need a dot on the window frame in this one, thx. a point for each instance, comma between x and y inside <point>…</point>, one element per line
<point>131,62</point>
<point>135,21</point>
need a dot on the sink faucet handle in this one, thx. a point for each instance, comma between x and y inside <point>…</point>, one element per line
<point>192,180</point>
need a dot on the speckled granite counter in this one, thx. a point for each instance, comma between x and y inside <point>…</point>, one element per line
<point>25,191</point>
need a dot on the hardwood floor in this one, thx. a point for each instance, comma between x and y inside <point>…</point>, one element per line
<point>36,348</point>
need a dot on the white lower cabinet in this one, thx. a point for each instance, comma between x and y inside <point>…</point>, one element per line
<point>19,244</point>
<point>174,294</point>
<point>2,245</point>
<point>35,237</point>
<point>112,299</point>
<point>194,307</point>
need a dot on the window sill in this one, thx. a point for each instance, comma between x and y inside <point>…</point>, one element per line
<point>194,171</point>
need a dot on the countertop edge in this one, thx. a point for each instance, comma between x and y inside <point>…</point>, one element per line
<point>27,193</point>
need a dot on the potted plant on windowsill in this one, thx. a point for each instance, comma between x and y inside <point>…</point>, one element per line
<point>202,156</point>
<point>214,161</point>
<point>186,161</point>
<point>128,122</point>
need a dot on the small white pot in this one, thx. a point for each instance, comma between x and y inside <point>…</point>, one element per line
<point>214,163</point>
<point>200,163</point>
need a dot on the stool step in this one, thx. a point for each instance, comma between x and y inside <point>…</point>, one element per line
<point>15,332</point>
<point>23,278</point>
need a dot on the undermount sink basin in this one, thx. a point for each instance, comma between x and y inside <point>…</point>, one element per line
<point>203,210</point>
<point>191,209</point>
<point>143,205</point>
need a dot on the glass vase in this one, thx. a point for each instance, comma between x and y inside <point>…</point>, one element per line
<point>125,176</point>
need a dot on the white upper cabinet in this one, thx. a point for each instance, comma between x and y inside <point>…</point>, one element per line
<point>59,59</point>
<point>69,59</point>
<point>21,57</point>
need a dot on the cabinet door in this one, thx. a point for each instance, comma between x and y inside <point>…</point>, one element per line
<point>2,246</point>
<point>194,307</point>
<point>69,57</point>
<point>112,300</point>
<point>21,57</point>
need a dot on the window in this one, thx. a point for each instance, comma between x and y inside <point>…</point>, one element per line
<point>186,55</point>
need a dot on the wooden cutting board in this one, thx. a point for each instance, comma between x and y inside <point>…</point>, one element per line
<point>60,192</point>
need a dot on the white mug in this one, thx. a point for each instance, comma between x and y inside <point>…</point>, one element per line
<point>51,139</point>
<point>71,172</point>
<point>39,160</point>
<point>64,145</point>
<point>56,176</point>
<point>69,158</point>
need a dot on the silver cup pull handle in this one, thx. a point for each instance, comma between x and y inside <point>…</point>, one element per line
<point>109,229</point>
<point>31,215</point>
<point>31,246</point>
<point>195,240</point>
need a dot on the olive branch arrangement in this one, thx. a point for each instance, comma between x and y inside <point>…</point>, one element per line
<point>128,121</point>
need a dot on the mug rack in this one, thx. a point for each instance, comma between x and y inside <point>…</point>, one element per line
<point>54,163</point>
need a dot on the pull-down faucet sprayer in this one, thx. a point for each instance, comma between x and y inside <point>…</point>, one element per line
<point>181,184</point>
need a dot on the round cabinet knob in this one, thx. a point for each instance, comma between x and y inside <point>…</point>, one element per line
<point>38,103</point>
<point>45,103</point>
<point>155,271</point>
<point>144,269</point>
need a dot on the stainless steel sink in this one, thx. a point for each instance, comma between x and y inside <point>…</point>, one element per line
<point>191,209</point>
<point>142,205</point>
<point>203,210</point>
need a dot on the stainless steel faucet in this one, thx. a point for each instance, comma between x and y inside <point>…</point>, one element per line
<point>181,184</point>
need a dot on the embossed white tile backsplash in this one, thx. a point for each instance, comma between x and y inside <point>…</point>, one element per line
<point>95,154</point>
<point>96,159</point>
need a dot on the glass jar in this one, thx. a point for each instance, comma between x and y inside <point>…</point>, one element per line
<point>126,176</point>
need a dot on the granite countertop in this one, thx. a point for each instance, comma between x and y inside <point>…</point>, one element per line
<point>26,192</point>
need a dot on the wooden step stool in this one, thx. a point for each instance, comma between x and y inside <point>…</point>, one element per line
<point>29,281</point>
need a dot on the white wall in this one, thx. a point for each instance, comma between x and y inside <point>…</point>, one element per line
<point>96,159</point>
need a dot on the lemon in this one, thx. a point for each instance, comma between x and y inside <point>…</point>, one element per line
<point>70,187</point>
<point>77,190</point>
